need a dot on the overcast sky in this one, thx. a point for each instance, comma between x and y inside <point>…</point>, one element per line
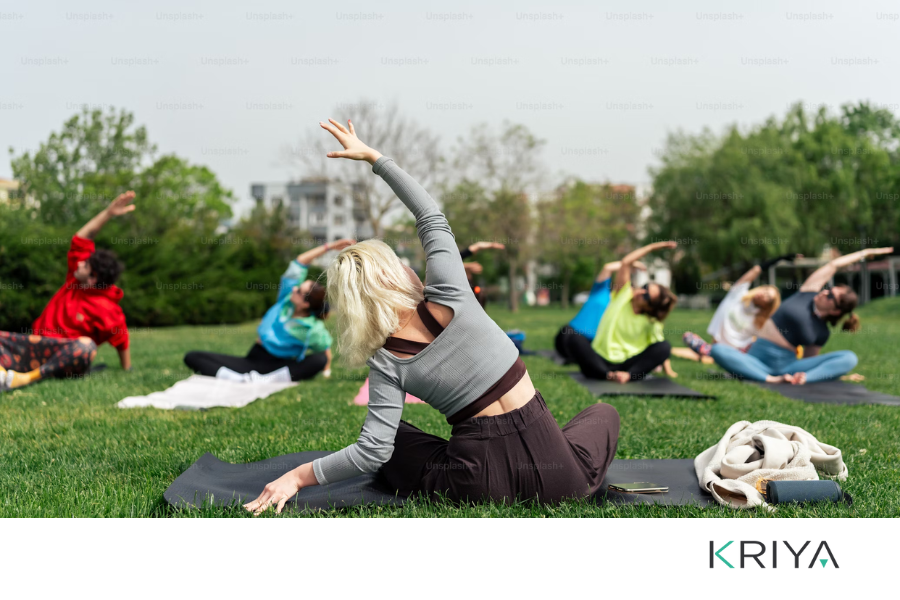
<point>603,82</point>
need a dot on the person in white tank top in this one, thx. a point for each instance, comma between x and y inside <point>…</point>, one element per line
<point>737,319</point>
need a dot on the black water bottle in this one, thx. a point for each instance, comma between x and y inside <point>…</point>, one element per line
<point>783,492</point>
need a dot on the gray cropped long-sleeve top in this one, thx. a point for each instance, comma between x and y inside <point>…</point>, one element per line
<point>461,364</point>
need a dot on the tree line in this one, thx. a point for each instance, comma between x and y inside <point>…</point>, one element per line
<point>791,184</point>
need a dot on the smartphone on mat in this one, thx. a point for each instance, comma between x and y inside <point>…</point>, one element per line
<point>639,488</point>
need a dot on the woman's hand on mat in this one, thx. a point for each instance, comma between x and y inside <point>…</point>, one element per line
<point>854,377</point>
<point>354,148</point>
<point>278,492</point>
<point>122,204</point>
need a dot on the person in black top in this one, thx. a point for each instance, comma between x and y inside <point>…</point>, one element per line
<point>474,268</point>
<point>787,348</point>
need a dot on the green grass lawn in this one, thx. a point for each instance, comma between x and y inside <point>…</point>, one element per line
<point>66,450</point>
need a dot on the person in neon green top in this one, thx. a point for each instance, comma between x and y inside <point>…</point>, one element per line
<point>629,341</point>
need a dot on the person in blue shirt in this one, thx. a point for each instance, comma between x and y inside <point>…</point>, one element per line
<point>587,320</point>
<point>292,333</point>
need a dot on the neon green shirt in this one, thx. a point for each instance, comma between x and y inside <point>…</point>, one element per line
<point>623,334</point>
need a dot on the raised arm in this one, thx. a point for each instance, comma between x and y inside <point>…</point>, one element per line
<point>310,255</point>
<point>120,206</point>
<point>623,276</point>
<point>444,267</point>
<point>611,267</point>
<point>823,275</point>
<point>473,249</point>
<point>750,276</point>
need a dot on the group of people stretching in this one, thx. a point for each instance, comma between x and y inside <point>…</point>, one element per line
<point>434,340</point>
<point>618,333</point>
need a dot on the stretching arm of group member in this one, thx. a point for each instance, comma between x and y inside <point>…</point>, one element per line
<point>611,267</point>
<point>474,268</point>
<point>623,275</point>
<point>446,279</point>
<point>307,257</point>
<point>477,246</point>
<point>125,358</point>
<point>296,269</point>
<point>822,275</point>
<point>120,206</point>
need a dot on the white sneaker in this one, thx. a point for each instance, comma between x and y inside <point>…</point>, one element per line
<point>6,379</point>
<point>230,375</point>
<point>282,375</point>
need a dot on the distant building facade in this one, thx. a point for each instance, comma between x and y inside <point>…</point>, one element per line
<point>325,209</point>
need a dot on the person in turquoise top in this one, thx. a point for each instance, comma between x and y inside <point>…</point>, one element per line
<point>292,337</point>
<point>629,342</point>
<point>587,320</point>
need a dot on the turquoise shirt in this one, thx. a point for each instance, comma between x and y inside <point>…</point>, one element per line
<point>286,336</point>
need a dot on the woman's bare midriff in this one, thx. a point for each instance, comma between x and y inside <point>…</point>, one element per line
<point>416,331</point>
<point>511,400</point>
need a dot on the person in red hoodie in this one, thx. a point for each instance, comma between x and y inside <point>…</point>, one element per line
<point>83,314</point>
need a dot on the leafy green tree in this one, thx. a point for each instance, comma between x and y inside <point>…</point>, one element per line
<point>583,226</point>
<point>790,185</point>
<point>83,167</point>
<point>493,175</point>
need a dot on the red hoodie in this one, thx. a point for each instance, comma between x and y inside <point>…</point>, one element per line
<point>76,311</point>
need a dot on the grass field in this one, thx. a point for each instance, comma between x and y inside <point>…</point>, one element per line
<point>66,450</point>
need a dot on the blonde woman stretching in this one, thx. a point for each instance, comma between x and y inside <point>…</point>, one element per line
<point>435,341</point>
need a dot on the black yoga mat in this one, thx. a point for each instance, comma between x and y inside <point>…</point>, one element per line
<point>552,355</point>
<point>830,392</point>
<point>650,386</point>
<point>209,481</point>
<point>678,474</point>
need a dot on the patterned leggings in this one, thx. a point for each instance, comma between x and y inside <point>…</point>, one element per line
<point>55,357</point>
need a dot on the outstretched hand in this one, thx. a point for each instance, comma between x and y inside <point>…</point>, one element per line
<point>878,251</point>
<point>276,494</point>
<point>122,204</point>
<point>477,246</point>
<point>341,244</point>
<point>354,148</point>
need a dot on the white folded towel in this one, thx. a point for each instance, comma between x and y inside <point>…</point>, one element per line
<point>199,392</point>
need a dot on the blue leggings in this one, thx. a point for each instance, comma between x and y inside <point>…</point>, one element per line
<point>765,358</point>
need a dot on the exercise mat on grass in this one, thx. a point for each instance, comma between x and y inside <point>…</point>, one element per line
<point>650,386</point>
<point>552,355</point>
<point>678,474</point>
<point>210,481</point>
<point>830,392</point>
